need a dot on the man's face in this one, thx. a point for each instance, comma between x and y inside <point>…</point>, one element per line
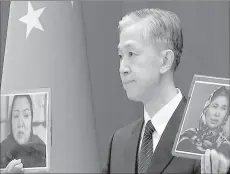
<point>139,63</point>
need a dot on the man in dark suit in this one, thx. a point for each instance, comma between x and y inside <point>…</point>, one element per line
<point>150,49</point>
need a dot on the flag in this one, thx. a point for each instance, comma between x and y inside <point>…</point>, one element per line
<point>46,49</point>
<point>4,12</point>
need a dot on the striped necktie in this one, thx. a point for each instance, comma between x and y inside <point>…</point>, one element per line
<point>146,148</point>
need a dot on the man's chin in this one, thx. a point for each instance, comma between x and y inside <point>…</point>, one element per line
<point>132,97</point>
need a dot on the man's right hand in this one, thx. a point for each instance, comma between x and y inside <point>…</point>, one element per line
<point>14,166</point>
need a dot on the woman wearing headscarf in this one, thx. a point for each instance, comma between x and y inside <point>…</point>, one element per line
<point>209,134</point>
<point>21,143</point>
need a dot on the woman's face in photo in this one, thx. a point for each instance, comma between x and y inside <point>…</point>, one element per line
<point>217,111</point>
<point>21,120</point>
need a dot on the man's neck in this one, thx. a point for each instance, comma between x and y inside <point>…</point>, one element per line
<point>163,94</point>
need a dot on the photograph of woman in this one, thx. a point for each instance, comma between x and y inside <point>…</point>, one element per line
<point>210,133</point>
<point>21,142</point>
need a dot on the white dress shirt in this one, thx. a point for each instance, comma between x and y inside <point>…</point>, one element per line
<point>161,118</point>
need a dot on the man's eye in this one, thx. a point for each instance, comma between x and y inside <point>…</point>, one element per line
<point>15,116</point>
<point>224,108</point>
<point>130,54</point>
<point>120,56</point>
<point>26,116</point>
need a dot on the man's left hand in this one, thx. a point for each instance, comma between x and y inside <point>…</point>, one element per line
<point>214,162</point>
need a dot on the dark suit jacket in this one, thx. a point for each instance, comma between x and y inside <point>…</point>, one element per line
<point>124,145</point>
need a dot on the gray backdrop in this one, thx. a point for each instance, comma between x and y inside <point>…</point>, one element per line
<point>206,51</point>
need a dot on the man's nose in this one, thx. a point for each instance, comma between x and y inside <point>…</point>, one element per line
<point>124,68</point>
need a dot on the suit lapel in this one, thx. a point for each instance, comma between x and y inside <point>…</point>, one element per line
<point>131,149</point>
<point>162,155</point>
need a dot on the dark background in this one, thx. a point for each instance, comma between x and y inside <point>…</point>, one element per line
<point>206,51</point>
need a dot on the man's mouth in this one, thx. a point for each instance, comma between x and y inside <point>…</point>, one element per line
<point>127,82</point>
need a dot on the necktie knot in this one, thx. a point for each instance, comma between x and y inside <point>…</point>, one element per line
<point>149,128</point>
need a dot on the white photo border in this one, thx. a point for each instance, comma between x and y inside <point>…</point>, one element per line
<point>49,126</point>
<point>196,79</point>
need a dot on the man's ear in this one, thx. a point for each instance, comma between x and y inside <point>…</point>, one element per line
<point>167,60</point>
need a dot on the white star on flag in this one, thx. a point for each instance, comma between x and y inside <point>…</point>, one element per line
<point>31,19</point>
<point>72,3</point>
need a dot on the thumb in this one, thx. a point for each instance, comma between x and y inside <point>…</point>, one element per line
<point>12,164</point>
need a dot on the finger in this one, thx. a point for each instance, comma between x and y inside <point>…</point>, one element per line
<point>207,161</point>
<point>215,160</point>
<point>15,162</point>
<point>17,169</point>
<point>19,166</point>
<point>224,164</point>
<point>12,164</point>
<point>202,164</point>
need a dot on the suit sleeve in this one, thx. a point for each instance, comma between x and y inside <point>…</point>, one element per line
<point>106,165</point>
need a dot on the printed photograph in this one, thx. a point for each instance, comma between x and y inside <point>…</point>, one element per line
<point>205,124</point>
<point>25,130</point>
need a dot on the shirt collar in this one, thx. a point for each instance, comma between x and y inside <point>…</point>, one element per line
<point>161,118</point>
